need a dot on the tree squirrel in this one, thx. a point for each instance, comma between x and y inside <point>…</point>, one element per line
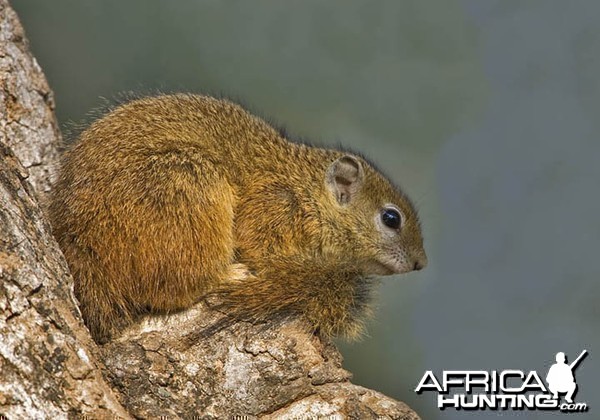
<point>169,198</point>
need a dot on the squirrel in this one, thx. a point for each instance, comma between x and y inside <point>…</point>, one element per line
<point>168,199</point>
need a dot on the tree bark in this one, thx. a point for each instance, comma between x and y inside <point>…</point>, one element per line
<point>28,124</point>
<point>49,365</point>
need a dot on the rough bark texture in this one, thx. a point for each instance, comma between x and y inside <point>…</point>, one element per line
<point>28,125</point>
<point>50,367</point>
<point>278,370</point>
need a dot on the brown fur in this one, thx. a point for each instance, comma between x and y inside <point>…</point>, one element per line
<point>163,199</point>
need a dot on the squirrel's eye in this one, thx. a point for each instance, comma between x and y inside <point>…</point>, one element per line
<point>391,218</point>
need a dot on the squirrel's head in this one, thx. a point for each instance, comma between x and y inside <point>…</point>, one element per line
<point>380,228</point>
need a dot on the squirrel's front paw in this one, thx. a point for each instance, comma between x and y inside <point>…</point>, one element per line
<point>239,272</point>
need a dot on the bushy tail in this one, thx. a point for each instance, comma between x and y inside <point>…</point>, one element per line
<point>331,295</point>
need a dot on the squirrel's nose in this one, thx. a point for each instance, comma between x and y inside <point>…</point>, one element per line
<point>420,264</point>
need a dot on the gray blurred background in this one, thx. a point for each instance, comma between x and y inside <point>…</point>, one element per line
<point>486,112</point>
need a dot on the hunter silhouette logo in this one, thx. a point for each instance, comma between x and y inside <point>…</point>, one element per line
<point>560,376</point>
<point>509,389</point>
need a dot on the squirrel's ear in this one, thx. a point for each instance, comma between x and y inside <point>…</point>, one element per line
<point>344,178</point>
